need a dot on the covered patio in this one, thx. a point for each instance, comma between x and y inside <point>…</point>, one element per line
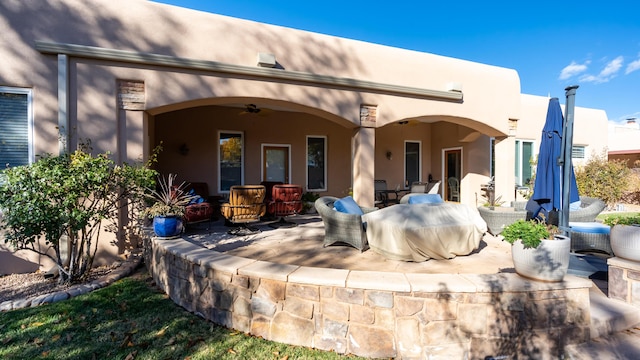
<point>336,298</point>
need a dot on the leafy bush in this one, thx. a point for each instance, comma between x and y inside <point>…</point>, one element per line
<point>531,232</point>
<point>612,220</point>
<point>68,196</point>
<point>604,179</point>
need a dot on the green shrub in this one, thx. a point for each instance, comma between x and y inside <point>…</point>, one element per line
<point>70,196</point>
<point>604,179</point>
<point>612,220</point>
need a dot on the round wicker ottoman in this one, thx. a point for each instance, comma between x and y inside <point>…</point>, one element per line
<point>590,236</point>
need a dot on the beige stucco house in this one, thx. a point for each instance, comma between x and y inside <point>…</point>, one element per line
<point>235,101</point>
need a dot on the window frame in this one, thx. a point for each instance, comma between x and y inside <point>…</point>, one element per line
<point>30,121</point>
<point>324,170</point>
<point>581,150</point>
<point>519,180</point>
<point>242,158</point>
<point>404,151</point>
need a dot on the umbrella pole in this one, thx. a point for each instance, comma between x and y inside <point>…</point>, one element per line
<point>565,158</point>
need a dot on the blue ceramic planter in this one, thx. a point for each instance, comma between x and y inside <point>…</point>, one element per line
<point>167,226</point>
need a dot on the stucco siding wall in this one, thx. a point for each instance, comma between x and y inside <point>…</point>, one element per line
<point>489,92</point>
<point>589,130</point>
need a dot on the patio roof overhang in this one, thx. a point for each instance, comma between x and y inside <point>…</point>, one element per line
<point>135,57</point>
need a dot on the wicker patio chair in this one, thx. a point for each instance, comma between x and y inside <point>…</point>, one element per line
<point>500,217</point>
<point>342,227</point>
<point>590,208</point>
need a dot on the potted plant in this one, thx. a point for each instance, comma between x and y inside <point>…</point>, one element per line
<point>625,236</point>
<point>308,202</point>
<point>537,250</point>
<point>168,208</point>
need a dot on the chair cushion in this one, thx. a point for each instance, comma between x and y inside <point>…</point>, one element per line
<point>589,227</point>
<point>426,199</point>
<point>348,206</point>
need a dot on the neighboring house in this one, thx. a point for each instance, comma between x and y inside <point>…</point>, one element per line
<point>589,125</point>
<point>240,102</point>
<point>624,142</point>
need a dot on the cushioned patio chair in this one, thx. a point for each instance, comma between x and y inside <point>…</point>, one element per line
<point>200,209</point>
<point>589,209</point>
<point>246,205</point>
<point>340,227</point>
<point>286,199</point>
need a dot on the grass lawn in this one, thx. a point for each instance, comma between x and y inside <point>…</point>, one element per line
<point>131,319</point>
<point>602,216</point>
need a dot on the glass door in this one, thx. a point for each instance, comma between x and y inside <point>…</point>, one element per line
<point>452,174</point>
<point>275,163</point>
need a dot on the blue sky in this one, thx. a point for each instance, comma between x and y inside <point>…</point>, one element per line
<point>552,45</point>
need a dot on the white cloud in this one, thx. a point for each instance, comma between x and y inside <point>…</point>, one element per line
<point>633,66</point>
<point>573,69</point>
<point>610,71</point>
<point>612,67</point>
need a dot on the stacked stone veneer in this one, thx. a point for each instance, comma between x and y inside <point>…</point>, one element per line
<point>375,314</point>
<point>624,280</point>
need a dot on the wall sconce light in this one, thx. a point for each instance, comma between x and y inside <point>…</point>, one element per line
<point>389,155</point>
<point>184,149</point>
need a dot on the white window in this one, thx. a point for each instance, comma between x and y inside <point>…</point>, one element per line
<point>316,163</point>
<point>230,160</point>
<point>524,155</point>
<point>16,126</point>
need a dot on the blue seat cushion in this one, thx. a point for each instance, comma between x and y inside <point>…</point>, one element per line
<point>426,199</point>
<point>348,206</point>
<point>589,227</point>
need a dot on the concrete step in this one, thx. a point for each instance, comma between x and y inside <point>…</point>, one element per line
<point>615,325</point>
<point>623,345</point>
<point>609,316</point>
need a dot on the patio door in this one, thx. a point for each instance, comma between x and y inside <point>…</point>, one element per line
<point>452,162</point>
<point>275,163</point>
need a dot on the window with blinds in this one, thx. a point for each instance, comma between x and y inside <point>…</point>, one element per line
<point>14,127</point>
<point>577,152</point>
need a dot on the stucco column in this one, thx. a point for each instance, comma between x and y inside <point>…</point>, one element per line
<point>363,166</point>
<point>505,168</point>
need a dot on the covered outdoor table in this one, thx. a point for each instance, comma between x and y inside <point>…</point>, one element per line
<point>419,232</point>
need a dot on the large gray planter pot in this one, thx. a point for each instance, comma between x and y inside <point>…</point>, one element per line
<point>625,241</point>
<point>547,262</point>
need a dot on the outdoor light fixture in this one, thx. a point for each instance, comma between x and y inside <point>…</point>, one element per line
<point>389,155</point>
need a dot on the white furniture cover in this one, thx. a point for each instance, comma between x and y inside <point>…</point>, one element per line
<point>419,232</point>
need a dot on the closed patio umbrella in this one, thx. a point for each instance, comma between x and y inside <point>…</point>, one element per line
<point>547,189</point>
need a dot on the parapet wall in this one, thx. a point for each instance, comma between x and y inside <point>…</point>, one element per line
<point>375,314</point>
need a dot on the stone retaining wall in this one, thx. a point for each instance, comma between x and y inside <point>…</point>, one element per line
<point>624,280</point>
<point>375,314</point>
